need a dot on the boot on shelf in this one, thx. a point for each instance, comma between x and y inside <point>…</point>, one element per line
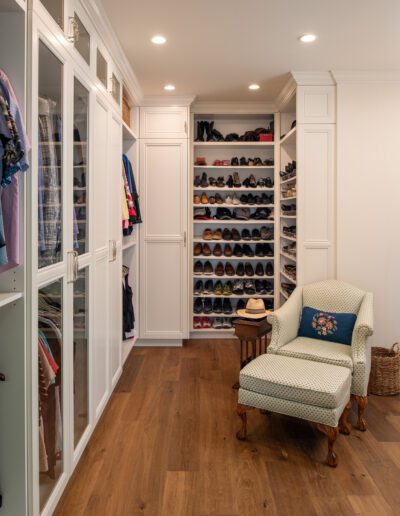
<point>200,132</point>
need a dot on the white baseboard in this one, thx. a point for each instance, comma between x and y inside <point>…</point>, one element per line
<point>163,343</point>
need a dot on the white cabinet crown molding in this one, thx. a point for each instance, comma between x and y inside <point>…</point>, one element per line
<point>167,101</point>
<point>104,29</point>
<point>286,94</point>
<point>239,108</point>
<point>313,78</point>
<point>355,77</point>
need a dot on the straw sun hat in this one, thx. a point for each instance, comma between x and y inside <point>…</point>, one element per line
<point>255,309</point>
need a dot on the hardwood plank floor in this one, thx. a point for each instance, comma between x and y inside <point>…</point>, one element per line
<point>166,446</point>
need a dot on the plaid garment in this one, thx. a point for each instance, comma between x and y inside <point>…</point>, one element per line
<point>49,194</point>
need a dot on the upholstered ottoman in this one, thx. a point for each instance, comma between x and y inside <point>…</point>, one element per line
<point>308,390</point>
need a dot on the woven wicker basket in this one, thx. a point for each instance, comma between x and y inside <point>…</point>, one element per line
<point>385,371</point>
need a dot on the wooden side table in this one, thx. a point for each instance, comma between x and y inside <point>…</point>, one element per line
<point>253,337</point>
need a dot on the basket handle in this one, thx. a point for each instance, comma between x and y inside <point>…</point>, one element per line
<point>395,348</point>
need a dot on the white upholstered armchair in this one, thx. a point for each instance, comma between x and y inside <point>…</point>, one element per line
<point>330,296</point>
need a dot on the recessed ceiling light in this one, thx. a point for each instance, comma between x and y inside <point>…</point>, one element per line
<point>158,40</point>
<point>308,38</point>
<point>169,87</point>
<point>254,87</point>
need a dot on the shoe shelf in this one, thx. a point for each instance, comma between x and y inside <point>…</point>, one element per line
<point>217,152</point>
<point>287,192</point>
<point>231,167</point>
<point>212,145</point>
<point>292,239</point>
<point>285,275</point>
<point>215,314</point>
<point>233,221</point>
<point>284,294</point>
<point>229,258</point>
<point>233,189</point>
<point>210,330</point>
<point>236,296</point>
<point>199,239</point>
<point>289,138</point>
<point>225,277</point>
<point>290,180</point>
<point>231,206</point>
<point>289,257</point>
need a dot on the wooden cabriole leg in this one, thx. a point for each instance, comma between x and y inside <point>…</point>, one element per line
<point>331,432</point>
<point>362,402</point>
<point>242,413</point>
<point>344,425</point>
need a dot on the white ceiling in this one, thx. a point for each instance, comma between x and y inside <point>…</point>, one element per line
<point>216,48</point>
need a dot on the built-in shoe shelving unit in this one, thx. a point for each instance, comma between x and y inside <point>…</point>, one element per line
<point>217,163</point>
<point>288,201</point>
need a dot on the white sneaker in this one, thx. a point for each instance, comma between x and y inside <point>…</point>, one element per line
<point>235,199</point>
<point>228,199</point>
<point>226,323</point>
<point>217,323</point>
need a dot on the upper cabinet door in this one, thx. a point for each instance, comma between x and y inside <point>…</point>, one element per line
<point>316,104</point>
<point>50,157</point>
<point>56,10</point>
<point>80,168</point>
<point>163,122</point>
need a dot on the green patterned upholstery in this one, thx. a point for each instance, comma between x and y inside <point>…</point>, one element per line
<point>318,351</point>
<point>308,390</point>
<point>330,296</point>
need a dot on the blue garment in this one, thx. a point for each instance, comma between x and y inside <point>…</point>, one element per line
<point>128,167</point>
<point>8,94</point>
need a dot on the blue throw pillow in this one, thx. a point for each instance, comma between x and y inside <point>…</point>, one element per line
<point>328,326</point>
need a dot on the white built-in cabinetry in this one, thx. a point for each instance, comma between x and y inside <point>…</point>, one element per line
<point>310,100</point>
<point>68,286</point>
<point>163,234</point>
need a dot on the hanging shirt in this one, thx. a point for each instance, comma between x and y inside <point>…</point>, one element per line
<point>14,149</point>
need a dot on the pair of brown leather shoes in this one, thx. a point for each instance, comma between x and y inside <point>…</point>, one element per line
<point>200,249</point>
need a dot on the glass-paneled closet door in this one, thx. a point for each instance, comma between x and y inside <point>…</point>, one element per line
<point>51,271</point>
<point>80,237</point>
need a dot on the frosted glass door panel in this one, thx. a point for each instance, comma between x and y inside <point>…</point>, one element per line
<point>50,376</point>
<point>80,177</point>
<point>50,165</point>
<point>82,44</point>
<point>80,360</point>
<point>56,10</point>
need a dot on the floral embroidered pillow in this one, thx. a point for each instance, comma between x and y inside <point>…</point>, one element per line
<point>328,326</point>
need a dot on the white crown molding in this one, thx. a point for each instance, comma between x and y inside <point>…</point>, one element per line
<point>167,100</point>
<point>358,77</point>
<point>237,108</point>
<point>313,78</point>
<point>287,93</point>
<point>99,18</point>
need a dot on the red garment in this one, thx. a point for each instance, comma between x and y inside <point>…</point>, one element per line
<point>51,360</point>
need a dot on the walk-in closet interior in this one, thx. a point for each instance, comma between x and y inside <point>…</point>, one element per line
<point>131,220</point>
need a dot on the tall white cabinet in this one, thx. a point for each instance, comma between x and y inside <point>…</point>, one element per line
<point>74,252</point>
<point>163,234</point>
